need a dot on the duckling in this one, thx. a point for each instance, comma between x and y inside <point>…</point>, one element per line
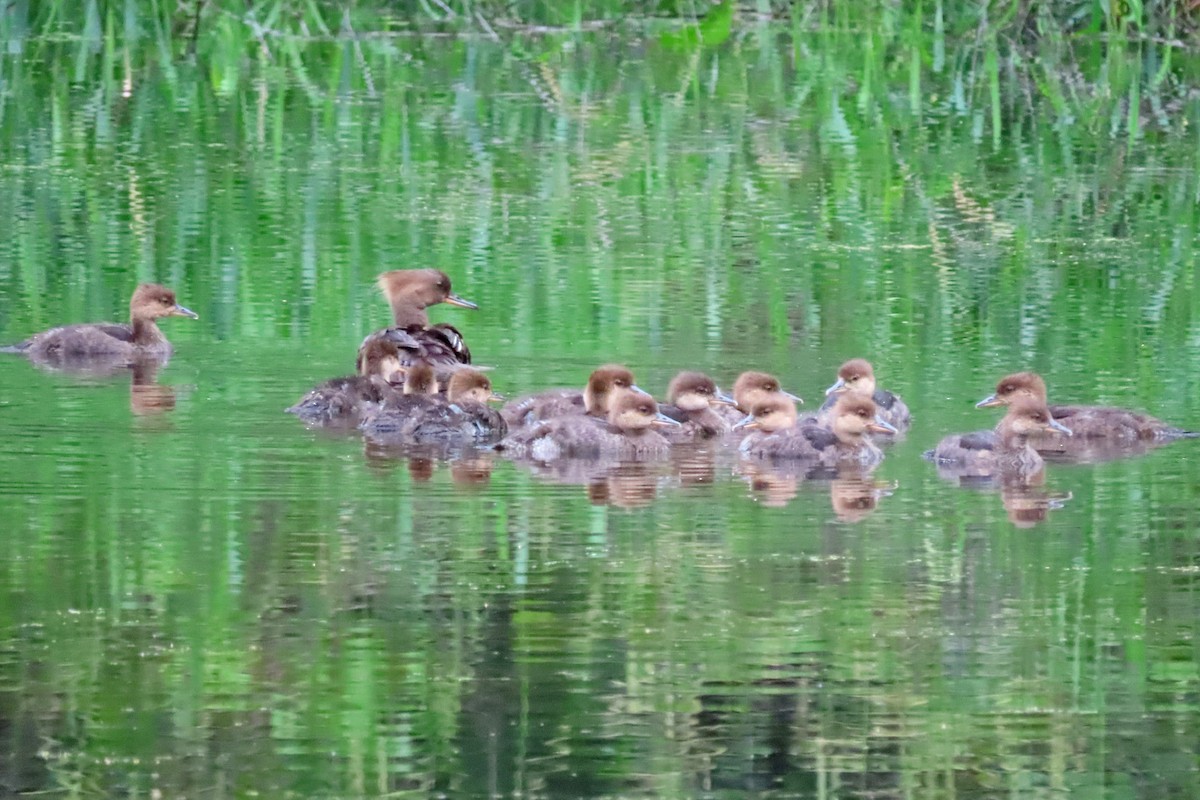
<point>106,340</point>
<point>776,434</point>
<point>626,434</point>
<point>748,389</point>
<point>410,292</point>
<point>1007,448</point>
<point>1085,422</point>
<point>690,399</point>
<point>346,400</point>
<point>602,385</point>
<point>462,417</point>
<point>857,377</point>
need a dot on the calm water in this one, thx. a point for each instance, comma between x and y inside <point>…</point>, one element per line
<point>201,598</point>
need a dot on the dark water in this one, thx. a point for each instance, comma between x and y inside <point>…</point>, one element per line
<point>200,598</point>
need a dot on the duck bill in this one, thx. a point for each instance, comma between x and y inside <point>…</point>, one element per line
<point>180,311</point>
<point>989,402</point>
<point>725,399</point>
<point>794,397</point>
<point>662,419</point>
<point>745,423</point>
<point>838,387</point>
<point>461,302</point>
<point>1058,427</point>
<point>499,398</point>
<point>880,426</point>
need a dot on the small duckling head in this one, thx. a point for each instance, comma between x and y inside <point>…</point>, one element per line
<point>380,356</point>
<point>420,379</point>
<point>1018,385</point>
<point>770,414</point>
<point>469,385</point>
<point>151,301</point>
<point>1028,416</point>
<point>856,376</point>
<point>854,417</point>
<point>695,391</point>
<point>633,411</point>
<point>604,384</point>
<point>750,387</point>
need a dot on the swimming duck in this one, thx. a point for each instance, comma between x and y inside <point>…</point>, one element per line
<point>690,400</point>
<point>1005,449</point>
<point>409,292</point>
<point>1085,422</point>
<point>857,377</point>
<point>626,434</point>
<point>748,389</point>
<point>461,417</point>
<point>141,337</point>
<point>602,385</point>
<point>346,400</point>
<point>776,434</point>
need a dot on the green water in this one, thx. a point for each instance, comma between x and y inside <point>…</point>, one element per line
<point>201,598</point>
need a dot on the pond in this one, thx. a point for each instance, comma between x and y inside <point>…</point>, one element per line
<point>201,597</point>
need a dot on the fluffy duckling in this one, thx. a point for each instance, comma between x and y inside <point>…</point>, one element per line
<point>409,292</point>
<point>690,400</point>
<point>461,417</point>
<point>627,433</point>
<point>857,377</point>
<point>776,434</point>
<point>346,400</point>
<point>1006,449</point>
<point>603,384</point>
<point>141,337</point>
<point>1085,422</point>
<point>749,388</point>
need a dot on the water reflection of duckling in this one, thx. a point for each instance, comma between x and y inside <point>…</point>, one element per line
<point>409,292</point>
<point>346,400</point>
<point>460,418</point>
<point>857,377</point>
<point>749,388</point>
<point>628,485</point>
<point>691,397</point>
<point>856,496</point>
<point>105,340</point>
<point>1007,448</point>
<point>627,434</point>
<point>148,397</point>
<point>1118,425</point>
<point>603,384</point>
<point>775,433</point>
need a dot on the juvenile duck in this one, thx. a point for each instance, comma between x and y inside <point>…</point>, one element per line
<point>141,337</point>
<point>690,400</point>
<point>346,400</point>
<point>460,418</point>
<point>409,292</point>
<point>603,384</point>
<point>1005,449</point>
<point>857,377</point>
<point>749,388</point>
<point>1085,422</point>
<point>776,434</point>
<point>626,434</point>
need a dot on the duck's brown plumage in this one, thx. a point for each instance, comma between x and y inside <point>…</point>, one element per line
<point>691,399</point>
<point>410,292</point>
<point>602,385</point>
<point>845,440</point>
<point>749,388</point>
<point>141,337</point>
<point>347,399</point>
<point>1007,447</point>
<point>1085,422</point>
<point>857,377</point>
<point>462,417</point>
<point>625,434</point>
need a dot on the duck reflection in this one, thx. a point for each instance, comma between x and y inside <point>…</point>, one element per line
<point>1023,494</point>
<point>624,484</point>
<point>467,467</point>
<point>148,397</point>
<point>853,493</point>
